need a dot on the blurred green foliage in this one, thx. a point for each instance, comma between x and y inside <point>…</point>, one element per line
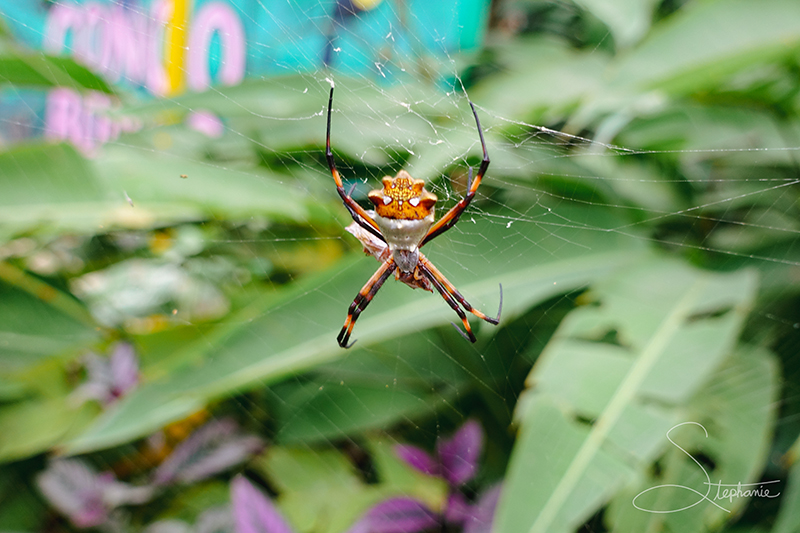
<point>641,212</point>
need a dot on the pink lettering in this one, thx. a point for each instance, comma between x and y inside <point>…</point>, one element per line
<point>157,80</point>
<point>83,121</point>
<point>216,18</point>
<point>62,19</point>
<point>126,43</point>
<point>62,118</point>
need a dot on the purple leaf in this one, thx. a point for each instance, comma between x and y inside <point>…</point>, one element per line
<point>457,510</point>
<point>109,378</point>
<point>83,495</point>
<point>124,369</point>
<point>397,515</point>
<point>459,455</point>
<point>212,449</point>
<point>418,459</point>
<point>482,514</point>
<point>253,512</point>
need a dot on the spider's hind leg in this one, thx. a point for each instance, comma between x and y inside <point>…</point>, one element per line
<point>454,305</point>
<point>362,300</point>
<point>453,297</point>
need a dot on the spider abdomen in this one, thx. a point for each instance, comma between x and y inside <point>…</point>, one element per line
<point>403,237</point>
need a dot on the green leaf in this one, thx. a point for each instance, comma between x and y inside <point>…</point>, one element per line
<point>546,77</point>
<point>728,135</point>
<point>20,508</point>
<point>621,364</point>
<point>43,71</point>
<point>32,331</point>
<point>370,389</point>
<point>34,426</point>
<point>627,20</point>
<point>737,409</point>
<point>699,46</point>
<point>51,185</point>
<point>788,519</point>
<point>262,345</point>
<point>152,180</point>
<point>322,411</point>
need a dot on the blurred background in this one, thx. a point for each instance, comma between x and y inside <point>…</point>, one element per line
<point>174,267</point>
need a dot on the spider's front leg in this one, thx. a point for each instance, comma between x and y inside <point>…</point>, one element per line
<point>356,211</point>
<point>451,217</point>
<point>362,300</point>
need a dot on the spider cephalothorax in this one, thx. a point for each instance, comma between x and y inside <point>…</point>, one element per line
<point>404,214</point>
<point>402,222</point>
<point>403,197</point>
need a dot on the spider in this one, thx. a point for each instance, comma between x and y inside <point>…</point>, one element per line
<point>400,225</point>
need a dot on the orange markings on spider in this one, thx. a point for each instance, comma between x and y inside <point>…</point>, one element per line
<point>403,197</point>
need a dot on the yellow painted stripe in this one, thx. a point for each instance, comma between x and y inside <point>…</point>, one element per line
<point>366,5</point>
<point>176,39</point>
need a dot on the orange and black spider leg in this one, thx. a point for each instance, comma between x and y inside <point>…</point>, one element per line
<point>356,211</point>
<point>451,217</point>
<point>452,303</point>
<point>362,300</point>
<point>434,274</point>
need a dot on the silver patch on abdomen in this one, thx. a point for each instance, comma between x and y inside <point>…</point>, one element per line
<point>403,237</point>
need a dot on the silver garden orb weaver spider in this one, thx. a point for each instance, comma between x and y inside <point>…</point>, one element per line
<point>400,225</point>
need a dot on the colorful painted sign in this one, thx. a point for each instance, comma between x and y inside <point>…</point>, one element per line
<point>166,47</point>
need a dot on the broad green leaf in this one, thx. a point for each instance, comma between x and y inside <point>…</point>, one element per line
<point>788,519</point>
<point>369,389</point>
<point>322,411</point>
<point>627,20</point>
<point>732,136</point>
<point>43,71</point>
<point>737,410</point>
<point>547,78</point>
<point>10,390</point>
<point>621,364</point>
<point>21,509</point>
<point>52,185</point>
<point>699,46</point>
<point>152,180</point>
<point>32,331</point>
<point>263,345</point>
<point>34,426</point>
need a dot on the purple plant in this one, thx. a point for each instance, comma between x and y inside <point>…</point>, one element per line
<point>480,515</point>
<point>456,461</point>
<point>84,496</point>
<point>396,515</point>
<point>253,512</point>
<point>456,458</point>
<point>109,378</point>
<point>213,448</point>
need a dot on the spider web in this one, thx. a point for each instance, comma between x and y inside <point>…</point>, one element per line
<point>406,105</point>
